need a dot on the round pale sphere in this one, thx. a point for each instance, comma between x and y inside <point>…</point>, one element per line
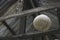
<point>42,23</point>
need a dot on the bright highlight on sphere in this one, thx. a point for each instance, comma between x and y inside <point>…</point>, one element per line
<point>42,23</point>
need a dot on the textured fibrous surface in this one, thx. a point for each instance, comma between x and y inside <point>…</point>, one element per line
<point>42,23</point>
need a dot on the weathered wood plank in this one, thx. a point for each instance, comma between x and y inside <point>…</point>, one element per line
<point>11,22</point>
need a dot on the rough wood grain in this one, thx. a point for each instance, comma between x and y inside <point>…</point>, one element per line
<point>27,12</point>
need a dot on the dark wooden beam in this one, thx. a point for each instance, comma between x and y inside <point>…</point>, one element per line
<point>27,35</point>
<point>28,12</point>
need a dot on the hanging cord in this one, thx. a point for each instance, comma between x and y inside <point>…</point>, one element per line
<point>33,5</point>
